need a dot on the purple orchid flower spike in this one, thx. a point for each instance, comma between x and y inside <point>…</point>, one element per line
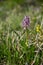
<point>25,22</point>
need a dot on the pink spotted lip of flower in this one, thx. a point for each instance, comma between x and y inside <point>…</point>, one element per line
<point>25,22</point>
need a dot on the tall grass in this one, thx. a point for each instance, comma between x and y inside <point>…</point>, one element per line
<point>14,50</point>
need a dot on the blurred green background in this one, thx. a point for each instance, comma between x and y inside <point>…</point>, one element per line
<point>13,46</point>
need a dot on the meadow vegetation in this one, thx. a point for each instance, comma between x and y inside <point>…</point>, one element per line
<point>19,46</point>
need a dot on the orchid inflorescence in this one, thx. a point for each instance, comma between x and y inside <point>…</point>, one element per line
<point>25,22</point>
